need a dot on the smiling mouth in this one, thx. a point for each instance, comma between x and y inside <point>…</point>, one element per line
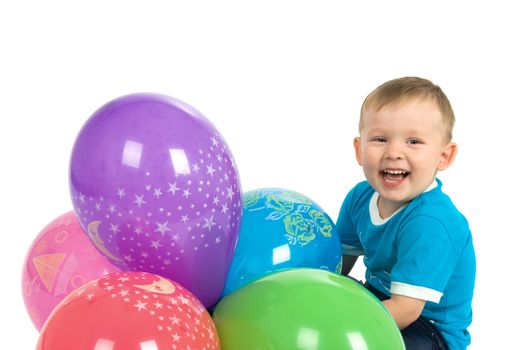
<point>394,175</point>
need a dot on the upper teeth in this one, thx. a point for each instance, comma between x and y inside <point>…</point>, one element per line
<point>395,172</point>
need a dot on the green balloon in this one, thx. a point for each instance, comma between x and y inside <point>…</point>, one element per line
<point>305,309</point>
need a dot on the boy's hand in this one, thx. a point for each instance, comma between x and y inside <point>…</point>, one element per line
<point>403,309</point>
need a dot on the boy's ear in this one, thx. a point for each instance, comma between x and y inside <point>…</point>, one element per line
<point>357,148</point>
<point>447,156</point>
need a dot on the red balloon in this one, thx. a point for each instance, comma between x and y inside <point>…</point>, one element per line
<point>129,311</point>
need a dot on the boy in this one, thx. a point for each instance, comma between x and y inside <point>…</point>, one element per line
<point>417,246</point>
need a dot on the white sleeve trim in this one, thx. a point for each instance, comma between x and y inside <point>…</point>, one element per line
<point>351,250</point>
<point>417,292</point>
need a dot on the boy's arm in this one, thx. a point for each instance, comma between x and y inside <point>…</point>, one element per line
<point>403,309</point>
<point>348,263</point>
<point>350,255</point>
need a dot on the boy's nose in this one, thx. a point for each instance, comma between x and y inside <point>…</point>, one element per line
<point>394,152</point>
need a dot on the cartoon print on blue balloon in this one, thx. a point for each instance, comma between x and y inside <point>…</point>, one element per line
<point>282,229</point>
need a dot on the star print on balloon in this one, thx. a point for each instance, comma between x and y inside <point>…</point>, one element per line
<point>156,188</point>
<point>129,311</point>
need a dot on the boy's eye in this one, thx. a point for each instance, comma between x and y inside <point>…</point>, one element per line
<point>379,139</point>
<point>413,141</point>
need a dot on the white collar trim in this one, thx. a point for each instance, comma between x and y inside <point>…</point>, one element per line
<point>376,219</point>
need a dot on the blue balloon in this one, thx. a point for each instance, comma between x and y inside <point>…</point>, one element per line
<point>282,229</point>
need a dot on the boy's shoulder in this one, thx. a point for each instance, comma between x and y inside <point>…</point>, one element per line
<point>438,205</point>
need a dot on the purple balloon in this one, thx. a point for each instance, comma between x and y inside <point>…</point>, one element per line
<point>156,188</point>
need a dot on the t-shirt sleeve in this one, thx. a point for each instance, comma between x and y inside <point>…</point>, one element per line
<point>345,224</point>
<point>425,260</point>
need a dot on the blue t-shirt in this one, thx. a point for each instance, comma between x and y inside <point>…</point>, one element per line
<point>424,251</point>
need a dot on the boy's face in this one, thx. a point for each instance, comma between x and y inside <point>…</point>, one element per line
<point>401,147</point>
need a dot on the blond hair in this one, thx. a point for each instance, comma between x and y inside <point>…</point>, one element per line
<point>397,90</point>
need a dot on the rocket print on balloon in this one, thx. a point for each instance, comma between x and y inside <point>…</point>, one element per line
<point>47,267</point>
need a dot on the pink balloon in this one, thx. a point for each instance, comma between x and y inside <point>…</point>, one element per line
<point>60,259</point>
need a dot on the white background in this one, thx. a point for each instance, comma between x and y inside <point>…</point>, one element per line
<point>283,82</point>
